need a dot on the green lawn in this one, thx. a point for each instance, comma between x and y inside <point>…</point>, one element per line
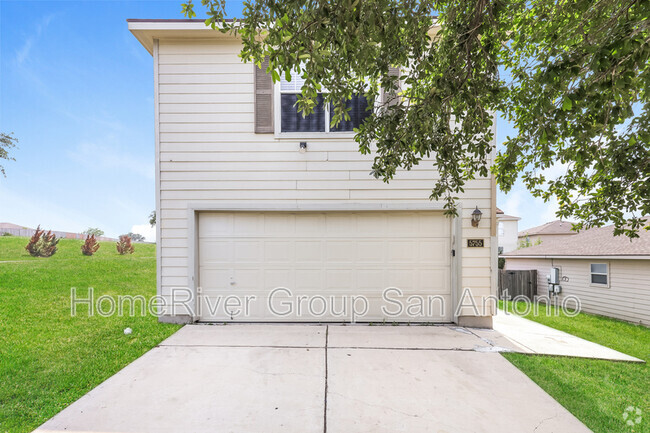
<point>596,392</point>
<point>49,359</point>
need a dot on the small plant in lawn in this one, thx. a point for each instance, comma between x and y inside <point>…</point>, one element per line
<point>124,245</point>
<point>42,244</point>
<point>90,246</point>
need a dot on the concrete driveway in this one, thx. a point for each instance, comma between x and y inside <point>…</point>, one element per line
<point>301,378</point>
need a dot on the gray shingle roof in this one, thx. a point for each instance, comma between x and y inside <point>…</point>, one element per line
<point>557,227</point>
<point>599,241</point>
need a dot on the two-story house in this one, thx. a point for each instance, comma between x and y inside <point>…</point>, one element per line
<point>264,215</point>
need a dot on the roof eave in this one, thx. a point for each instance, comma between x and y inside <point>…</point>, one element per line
<point>585,257</point>
<point>146,30</point>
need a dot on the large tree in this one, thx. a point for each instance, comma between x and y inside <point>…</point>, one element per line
<point>7,142</point>
<point>571,75</point>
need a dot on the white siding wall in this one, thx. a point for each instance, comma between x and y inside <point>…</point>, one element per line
<point>210,153</point>
<point>627,298</point>
<point>509,239</point>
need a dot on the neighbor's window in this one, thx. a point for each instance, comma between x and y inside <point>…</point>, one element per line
<point>292,120</point>
<point>501,229</point>
<point>599,274</point>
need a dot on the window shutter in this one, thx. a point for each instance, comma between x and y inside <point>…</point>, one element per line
<point>263,100</point>
<point>389,96</point>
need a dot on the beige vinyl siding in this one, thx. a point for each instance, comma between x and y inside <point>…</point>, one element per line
<point>209,153</point>
<point>626,298</point>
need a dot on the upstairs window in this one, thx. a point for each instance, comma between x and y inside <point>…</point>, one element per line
<point>599,273</point>
<point>292,120</point>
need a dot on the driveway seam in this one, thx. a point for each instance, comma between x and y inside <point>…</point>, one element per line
<point>326,347</point>
<point>326,378</point>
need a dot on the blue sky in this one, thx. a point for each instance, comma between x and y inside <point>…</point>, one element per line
<point>76,88</point>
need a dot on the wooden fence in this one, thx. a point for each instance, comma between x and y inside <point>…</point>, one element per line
<point>518,283</point>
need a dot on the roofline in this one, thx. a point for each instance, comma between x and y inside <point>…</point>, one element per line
<point>559,256</point>
<point>147,30</point>
<point>505,217</point>
<point>170,20</point>
<point>524,234</point>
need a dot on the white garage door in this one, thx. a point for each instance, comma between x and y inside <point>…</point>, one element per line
<point>324,266</point>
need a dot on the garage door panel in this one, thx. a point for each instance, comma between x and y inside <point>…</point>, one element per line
<point>220,224</point>
<point>401,252</point>
<point>370,252</point>
<point>429,225</point>
<point>435,252</point>
<point>339,251</point>
<point>336,255</point>
<point>279,252</point>
<point>340,224</point>
<point>274,278</point>
<point>215,251</point>
<point>248,224</point>
<point>372,225</point>
<point>338,280</point>
<point>311,225</point>
<point>279,224</point>
<point>403,279</point>
<point>309,279</point>
<point>433,281</point>
<point>248,251</point>
<point>308,252</point>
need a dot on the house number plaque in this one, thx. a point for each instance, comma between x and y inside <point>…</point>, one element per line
<point>475,243</point>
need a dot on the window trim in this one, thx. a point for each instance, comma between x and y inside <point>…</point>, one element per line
<point>277,121</point>
<point>606,274</point>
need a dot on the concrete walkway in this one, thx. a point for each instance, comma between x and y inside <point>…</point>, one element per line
<point>301,378</point>
<point>535,338</point>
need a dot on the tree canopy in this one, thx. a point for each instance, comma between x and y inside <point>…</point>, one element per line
<point>571,76</point>
<point>93,231</point>
<point>7,142</point>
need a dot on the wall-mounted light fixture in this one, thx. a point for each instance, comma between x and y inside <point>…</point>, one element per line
<point>476,217</point>
<point>303,146</point>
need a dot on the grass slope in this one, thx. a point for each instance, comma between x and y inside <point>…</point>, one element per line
<point>49,359</point>
<point>596,392</point>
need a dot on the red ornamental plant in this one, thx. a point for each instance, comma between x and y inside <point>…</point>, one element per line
<point>42,244</point>
<point>90,246</point>
<point>124,245</point>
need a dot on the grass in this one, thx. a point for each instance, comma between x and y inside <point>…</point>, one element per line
<point>596,392</point>
<point>48,359</point>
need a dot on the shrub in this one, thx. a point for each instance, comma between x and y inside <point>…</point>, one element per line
<point>42,244</point>
<point>124,245</point>
<point>90,246</point>
<point>6,234</point>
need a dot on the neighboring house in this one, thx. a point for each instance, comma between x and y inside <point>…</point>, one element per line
<point>507,230</point>
<point>251,197</point>
<point>554,230</point>
<point>609,274</point>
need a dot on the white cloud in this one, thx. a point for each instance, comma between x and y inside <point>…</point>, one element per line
<point>23,53</point>
<point>145,230</point>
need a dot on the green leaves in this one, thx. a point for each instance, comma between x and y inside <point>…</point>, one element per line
<point>7,142</point>
<point>572,77</point>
